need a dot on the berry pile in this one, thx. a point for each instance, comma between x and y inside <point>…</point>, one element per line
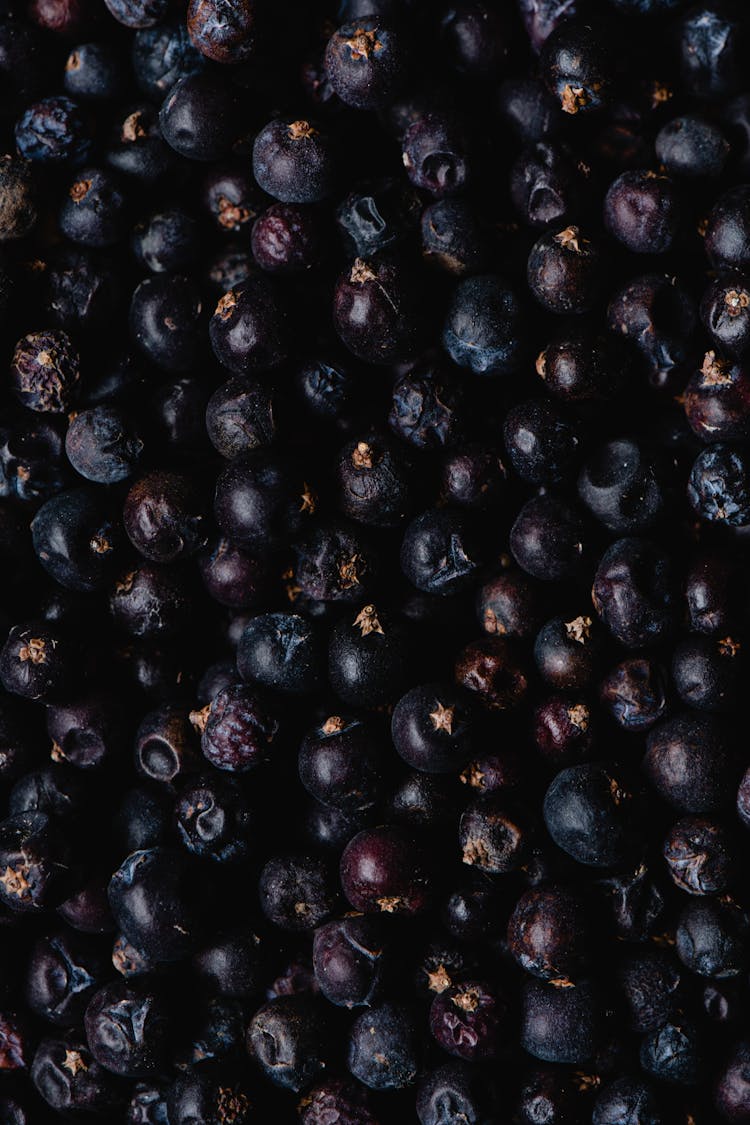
<point>375,540</point>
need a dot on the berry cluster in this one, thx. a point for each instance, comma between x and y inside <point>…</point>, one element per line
<point>374,533</point>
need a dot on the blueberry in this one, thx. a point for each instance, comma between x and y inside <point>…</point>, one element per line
<point>294,161</point>
<point>52,131</point>
<point>384,1048</point>
<point>367,62</point>
<point>484,330</point>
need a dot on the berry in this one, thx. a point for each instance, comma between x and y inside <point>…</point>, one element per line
<point>384,1048</point>
<point>385,870</point>
<point>483,329</point>
<point>563,271</point>
<point>366,63</point>
<point>592,813</point>
<point>224,34</point>
<point>641,210</point>
<point>294,161</point>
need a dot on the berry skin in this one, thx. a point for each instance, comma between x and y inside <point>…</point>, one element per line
<point>548,934</point>
<point>294,161</point>
<point>468,1020</point>
<point>626,1100</point>
<point>657,316</point>
<point>344,1102</point>
<point>138,13</point>
<point>699,856</point>
<point>258,504</point>
<point>376,216</point>
<point>342,763</point>
<point>708,673</point>
<point>547,539</point>
<point>35,661</point>
<point>717,401</point>
<point>76,540</point>
<point>35,861</point>
<point>231,198</point>
<point>93,73</point>
<point>732,1091</point>
<point>213,819</point>
<point>199,116</point>
<point>166,242</point>
<point>438,552</point>
<point>374,482</point>
<point>127,1028</point>
<point>690,763</point>
<point>711,47</point>
<point>288,1039</point>
<point>581,369</point>
<point>164,315</point>
<point>492,838</point>
<point>281,651</point>
<point>719,486</point>
<point>428,408</point>
<point>492,669</point>
<point>45,371</point>
<point>433,728</point>
<point>384,1050</point>
<point>564,730</point>
<point>287,239</point>
<point>297,893</point>
<point>566,652</point>
<point>224,33</point>
<point>64,971</point>
<point>239,731</point>
<point>154,898</point>
<point>633,592</point>
<point>18,212</point>
<point>483,329</point>
<point>474,478</point>
<point>453,238</point>
<point>376,313</point>
<point>727,238</point>
<point>725,312</point>
<point>673,1053</point>
<point>212,1097</point>
<point>435,155</point>
<point>477,38</point>
<point>635,693</point>
<point>622,487</point>
<point>165,748</point>
<point>103,444</point>
<point>592,813</point>
<point>540,18</point>
<point>541,442</point>
<point>641,210</point>
<point>366,63</point>
<point>542,185</point>
<point>248,327</point>
<point>692,147</point>
<point>560,1025</point>
<point>651,984</point>
<point>510,605</point>
<point>334,564</point>
<point>93,211</point>
<point>52,131</point>
<point>368,658</point>
<point>164,517</point>
<point>385,871</point>
<point>563,271</point>
<point>349,959</point>
<point>239,417</point>
<point>70,1080</point>
<point>576,67</point>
